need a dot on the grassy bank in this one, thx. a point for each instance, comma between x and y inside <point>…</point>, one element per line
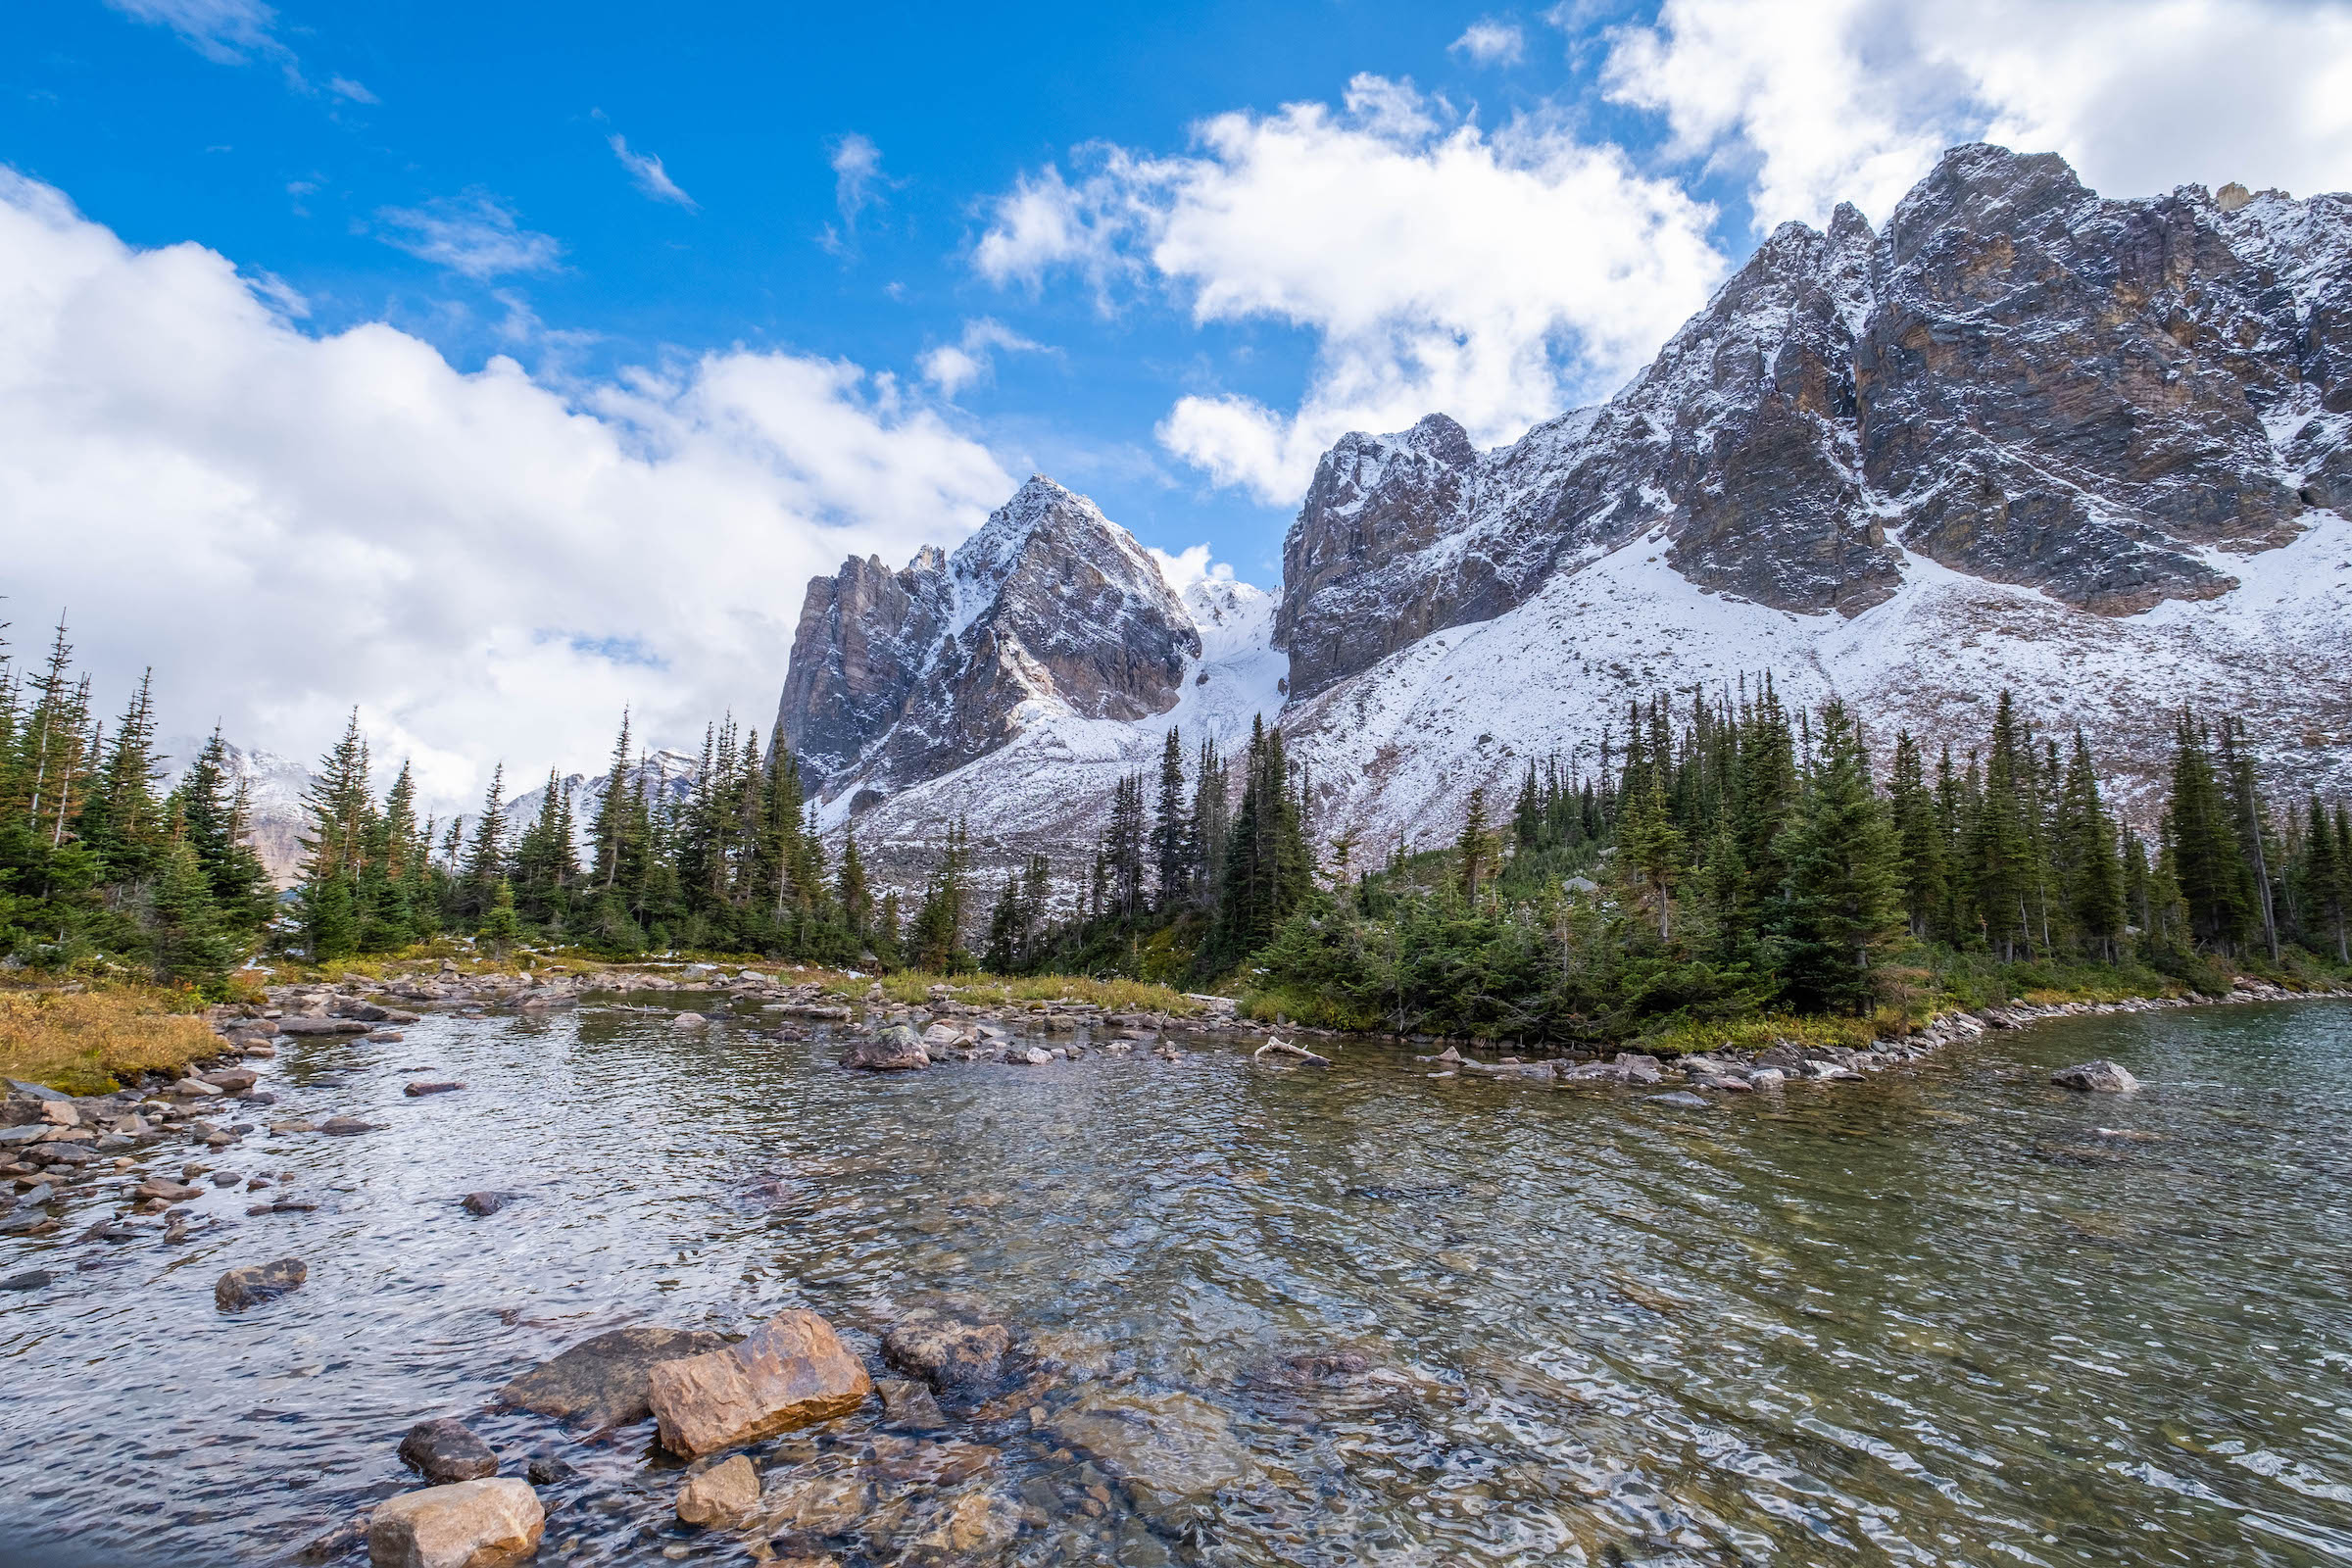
<point>86,1042</point>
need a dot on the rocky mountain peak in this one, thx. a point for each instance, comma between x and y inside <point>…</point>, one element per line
<point>1049,609</point>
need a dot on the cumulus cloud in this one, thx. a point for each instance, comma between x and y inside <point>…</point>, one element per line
<point>1189,567</point>
<point>473,234</point>
<point>651,178</point>
<point>490,566</point>
<point>1498,277</point>
<point>971,357</point>
<point>1490,43</point>
<point>1834,100</point>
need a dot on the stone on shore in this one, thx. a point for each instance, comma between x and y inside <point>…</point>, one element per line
<point>725,1495</point>
<point>945,1353</point>
<point>468,1524</point>
<point>241,1287</point>
<point>2100,1077</point>
<point>794,1371</point>
<point>895,1049</point>
<point>601,1382</point>
<point>446,1450</point>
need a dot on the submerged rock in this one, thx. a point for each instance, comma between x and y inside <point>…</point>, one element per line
<point>446,1450</point>
<point>906,1403</point>
<point>601,1382</point>
<point>811,1505</point>
<point>2102,1077</point>
<point>892,1051</point>
<point>949,1354</point>
<point>470,1524</point>
<point>484,1205</point>
<point>241,1287</point>
<point>1174,1447</point>
<point>422,1087</point>
<point>794,1371</point>
<point>725,1495</point>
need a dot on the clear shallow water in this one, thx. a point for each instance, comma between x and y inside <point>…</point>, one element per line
<point>1929,1318</point>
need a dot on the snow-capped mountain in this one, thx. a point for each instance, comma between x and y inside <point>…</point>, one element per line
<point>274,790</point>
<point>2097,452</point>
<point>664,774</point>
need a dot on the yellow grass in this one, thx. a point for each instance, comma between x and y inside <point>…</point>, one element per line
<point>909,986</point>
<point>85,1042</point>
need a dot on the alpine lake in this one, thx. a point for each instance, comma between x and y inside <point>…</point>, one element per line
<point>1265,1314</point>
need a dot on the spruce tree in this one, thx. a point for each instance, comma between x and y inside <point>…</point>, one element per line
<point>501,926</point>
<point>187,942</point>
<point>1845,907</point>
<point>1477,848</point>
<point>2094,888</point>
<point>1170,825</point>
<point>1919,842</point>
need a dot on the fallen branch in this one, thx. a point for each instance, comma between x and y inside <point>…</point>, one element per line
<point>1285,1048</point>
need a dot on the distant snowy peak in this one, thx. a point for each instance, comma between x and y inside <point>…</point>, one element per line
<point>1048,609</point>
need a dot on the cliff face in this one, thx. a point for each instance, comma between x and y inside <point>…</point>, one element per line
<point>1050,609</point>
<point>2035,385</point>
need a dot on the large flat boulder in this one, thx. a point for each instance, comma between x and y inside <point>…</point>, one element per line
<point>894,1050</point>
<point>601,1382</point>
<point>470,1524</point>
<point>794,1371</point>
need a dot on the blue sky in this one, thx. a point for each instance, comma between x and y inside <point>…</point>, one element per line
<point>517,362</point>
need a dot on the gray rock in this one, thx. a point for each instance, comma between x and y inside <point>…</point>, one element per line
<point>602,1382</point>
<point>422,1087</point>
<point>2102,1077</point>
<point>895,1049</point>
<point>345,1126</point>
<point>31,1279</point>
<point>445,1451</point>
<point>1679,1097</point>
<point>950,1354</point>
<point>484,1205</point>
<point>241,1287</point>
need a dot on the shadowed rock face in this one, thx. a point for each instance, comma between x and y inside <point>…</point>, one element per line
<point>898,677</point>
<point>2038,386</point>
<point>2068,393</point>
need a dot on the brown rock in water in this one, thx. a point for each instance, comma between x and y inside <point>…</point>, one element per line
<point>421,1088</point>
<point>231,1080</point>
<point>725,1495</point>
<point>345,1126</point>
<point>601,1382</point>
<point>484,1205</point>
<point>908,1402</point>
<point>447,1450</point>
<point>241,1287</point>
<point>792,1372</point>
<point>472,1524</point>
<point>947,1353</point>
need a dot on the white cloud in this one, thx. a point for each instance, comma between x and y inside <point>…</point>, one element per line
<point>489,566</point>
<point>952,366</point>
<point>1829,100</point>
<point>473,234</point>
<point>652,179</point>
<point>225,31</point>
<point>356,92</point>
<point>1497,278</point>
<point>1189,565</point>
<point>1490,43</point>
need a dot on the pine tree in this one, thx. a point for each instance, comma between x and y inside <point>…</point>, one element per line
<point>1477,849</point>
<point>500,927</point>
<point>1919,840</point>
<point>184,931</point>
<point>2094,887</point>
<point>486,863</point>
<point>1844,906</point>
<point>851,893</point>
<point>2327,883</point>
<point>121,819</point>
<point>1654,850</point>
<point>2249,820</point>
<point>1170,825</point>
<point>2202,844</point>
